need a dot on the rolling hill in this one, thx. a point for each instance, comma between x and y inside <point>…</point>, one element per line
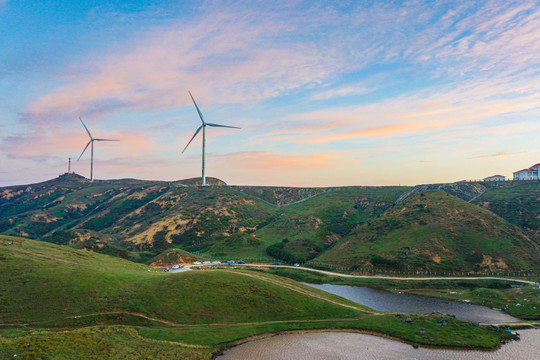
<point>433,230</point>
<point>53,296</point>
<point>350,226</point>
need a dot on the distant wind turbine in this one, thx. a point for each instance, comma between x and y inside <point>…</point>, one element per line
<point>91,142</point>
<point>203,127</point>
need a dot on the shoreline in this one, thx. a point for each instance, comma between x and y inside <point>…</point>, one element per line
<point>227,346</point>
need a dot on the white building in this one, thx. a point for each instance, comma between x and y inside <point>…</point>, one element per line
<point>532,173</point>
<point>495,178</point>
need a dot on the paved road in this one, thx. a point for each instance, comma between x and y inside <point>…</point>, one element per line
<point>188,267</point>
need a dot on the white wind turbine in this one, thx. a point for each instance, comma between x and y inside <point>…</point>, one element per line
<point>91,142</point>
<point>203,127</point>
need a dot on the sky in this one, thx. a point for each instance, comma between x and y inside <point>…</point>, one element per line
<point>327,93</point>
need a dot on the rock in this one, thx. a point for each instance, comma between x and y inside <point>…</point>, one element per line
<point>421,332</point>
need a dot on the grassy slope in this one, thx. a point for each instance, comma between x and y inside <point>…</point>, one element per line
<point>492,293</point>
<point>148,217</point>
<point>37,278</point>
<point>442,232</point>
<point>313,225</point>
<point>517,202</point>
<point>46,288</point>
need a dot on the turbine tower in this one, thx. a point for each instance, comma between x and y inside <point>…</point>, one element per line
<point>203,127</point>
<point>91,142</point>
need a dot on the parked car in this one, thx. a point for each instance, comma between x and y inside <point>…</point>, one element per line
<point>296,264</point>
<point>230,262</point>
<point>175,267</point>
<point>206,262</point>
<point>197,263</point>
<point>241,262</point>
<point>166,269</point>
<point>276,263</point>
<point>216,262</point>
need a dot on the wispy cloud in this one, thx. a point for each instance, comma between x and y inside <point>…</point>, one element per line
<point>235,54</point>
<point>345,91</point>
<point>413,74</point>
<point>500,155</point>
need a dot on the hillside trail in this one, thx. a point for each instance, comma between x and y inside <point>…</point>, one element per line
<point>187,325</point>
<point>304,291</point>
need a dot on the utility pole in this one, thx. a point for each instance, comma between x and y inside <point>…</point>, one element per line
<point>69,166</point>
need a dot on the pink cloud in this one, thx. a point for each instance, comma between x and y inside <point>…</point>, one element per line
<point>43,144</point>
<point>499,155</point>
<point>224,57</point>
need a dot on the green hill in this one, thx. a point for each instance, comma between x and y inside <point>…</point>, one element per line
<point>144,220</point>
<point>433,230</point>
<point>52,297</point>
<point>517,202</point>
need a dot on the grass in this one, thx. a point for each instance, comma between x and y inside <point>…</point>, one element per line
<point>440,232</point>
<point>491,293</point>
<point>54,296</point>
<point>350,225</point>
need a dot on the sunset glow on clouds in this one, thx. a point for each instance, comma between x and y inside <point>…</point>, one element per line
<point>326,94</point>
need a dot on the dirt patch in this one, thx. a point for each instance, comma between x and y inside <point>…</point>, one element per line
<point>173,258</point>
<point>8,194</point>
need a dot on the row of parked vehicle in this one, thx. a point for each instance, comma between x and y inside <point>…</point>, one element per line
<point>174,267</point>
<point>230,262</point>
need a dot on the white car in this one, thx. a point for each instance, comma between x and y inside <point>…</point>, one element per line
<point>296,264</point>
<point>216,262</point>
<point>206,262</point>
<point>175,267</point>
<point>197,263</point>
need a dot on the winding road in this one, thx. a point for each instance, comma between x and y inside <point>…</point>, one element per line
<point>381,277</point>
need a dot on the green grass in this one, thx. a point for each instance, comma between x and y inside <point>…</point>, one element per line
<point>54,296</point>
<point>443,233</point>
<point>349,226</point>
<point>491,293</point>
<point>38,277</point>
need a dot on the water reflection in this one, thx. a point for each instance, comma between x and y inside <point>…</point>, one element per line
<point>386,301</point>
<point>350,346</point>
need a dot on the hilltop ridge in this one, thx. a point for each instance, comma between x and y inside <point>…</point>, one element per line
<point>139,219</point>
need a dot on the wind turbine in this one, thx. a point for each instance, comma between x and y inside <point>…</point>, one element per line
<point>91,142</point>
<point>203,127</point>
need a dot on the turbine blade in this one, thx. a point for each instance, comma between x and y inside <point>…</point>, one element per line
<point>86,147</point>
<point>105,140</point>
<point>196,132</point>
<point>85,128</point>
<point>199,111</point>
<point>227,126</point>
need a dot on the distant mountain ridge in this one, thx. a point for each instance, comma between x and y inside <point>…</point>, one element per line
<point>139,219</point>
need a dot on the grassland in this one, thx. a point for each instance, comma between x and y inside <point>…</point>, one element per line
<point>350,227</point>
<point>52,297</point>
<point>436,231</point>
<point>520,300</point>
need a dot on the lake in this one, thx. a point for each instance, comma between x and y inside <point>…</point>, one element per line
<point>345,346</point>
<point>387,301</point>
<point>353,346</point>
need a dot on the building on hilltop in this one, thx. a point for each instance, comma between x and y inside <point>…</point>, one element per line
<point>495,178</point>
<point>532,173</point>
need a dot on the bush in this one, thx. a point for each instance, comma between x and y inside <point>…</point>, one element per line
<point>377,260</point>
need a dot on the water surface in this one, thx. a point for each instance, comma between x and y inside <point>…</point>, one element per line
<point>352,346</point>
<point>382,300</point>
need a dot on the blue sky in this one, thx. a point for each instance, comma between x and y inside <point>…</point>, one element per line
<point>327,93</point>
